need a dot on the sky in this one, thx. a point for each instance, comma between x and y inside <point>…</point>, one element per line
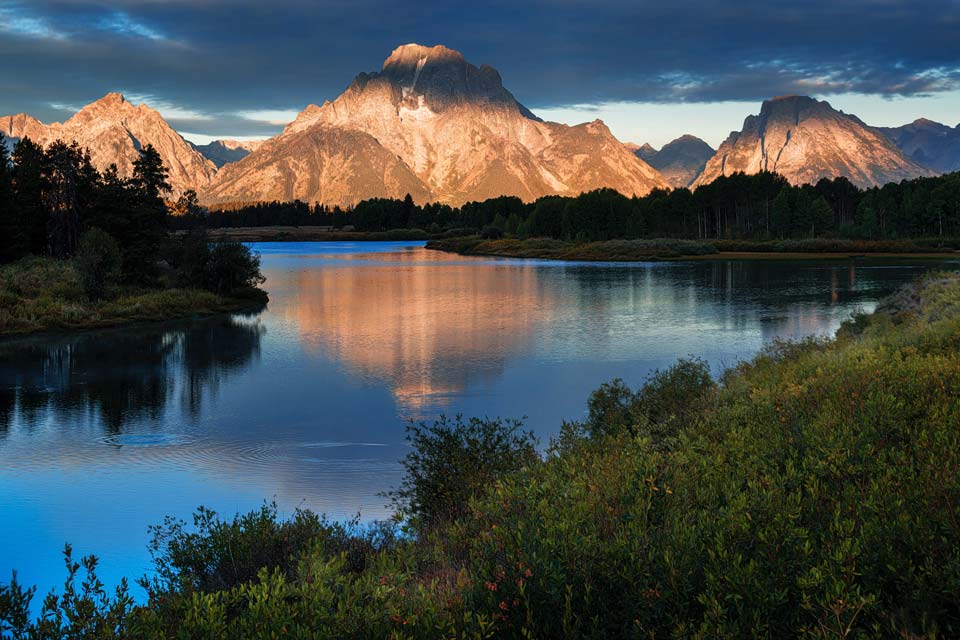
<point>651,70</point>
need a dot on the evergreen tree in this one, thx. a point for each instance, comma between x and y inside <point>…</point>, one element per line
<point>61,183</point>
<point>148,218</point>
<point>28,161</point>
<point>12,241</point>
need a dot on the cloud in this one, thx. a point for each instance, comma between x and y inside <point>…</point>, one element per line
<point>233,62</point>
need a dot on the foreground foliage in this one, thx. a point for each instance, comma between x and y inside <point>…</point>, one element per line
<point>812,492</point>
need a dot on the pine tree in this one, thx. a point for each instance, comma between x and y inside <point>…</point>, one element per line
<point>148,218</point>
<point>61,179</point>
<point>28,161</point>
<point>12,241</point>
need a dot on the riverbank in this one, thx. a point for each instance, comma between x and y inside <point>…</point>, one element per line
<point>39,295</point>
<point>671,249</point>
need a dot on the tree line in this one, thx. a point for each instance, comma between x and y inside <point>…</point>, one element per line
<point>115,229</point>
<point>762,206</point>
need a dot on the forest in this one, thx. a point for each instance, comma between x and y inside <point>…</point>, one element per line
<point>762,206</point>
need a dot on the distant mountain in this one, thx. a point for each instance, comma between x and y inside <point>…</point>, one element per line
<point>679,161</point>
<point>221,152</point>
<point>805,140</point>
<point>929,143</point>
<point>114,130</point>
<point>433,125</point>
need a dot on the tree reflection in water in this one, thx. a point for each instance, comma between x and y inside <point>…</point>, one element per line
<point>123,376</point>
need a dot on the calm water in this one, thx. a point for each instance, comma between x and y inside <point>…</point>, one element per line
<point>104,434</point>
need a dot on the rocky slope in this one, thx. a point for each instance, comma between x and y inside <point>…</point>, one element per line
<point>113,130</point>
<point>928,143</point>
<point>221,152</point>
<point>431,124</point>
<point>805,140</point>
<point>680,161</point>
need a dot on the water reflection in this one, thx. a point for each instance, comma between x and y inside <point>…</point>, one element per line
<point>124,377</point>
<point>429,333</point>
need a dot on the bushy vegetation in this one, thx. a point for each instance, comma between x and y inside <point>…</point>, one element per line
<point>98,263</point>
<point>811,492</point>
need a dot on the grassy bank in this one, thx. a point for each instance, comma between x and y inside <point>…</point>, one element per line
<point>811,492</point>
<point>672,249</point>
<point>551,249</point>
<point>42,294</point>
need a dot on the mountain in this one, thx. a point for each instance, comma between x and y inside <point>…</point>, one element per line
<point>929,143</point>
<point>645,151</point>
<point>221,152</point>
<point>113,130</point>
<point>805,140</point>
<point>679,161</point>
<point>433,125</point>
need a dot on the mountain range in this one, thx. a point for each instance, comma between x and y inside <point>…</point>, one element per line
<point>431,124</point>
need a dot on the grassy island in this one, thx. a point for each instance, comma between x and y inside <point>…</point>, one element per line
<point>811,492</point>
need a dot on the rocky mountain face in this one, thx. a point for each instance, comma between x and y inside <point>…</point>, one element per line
<point>221,152</point>
<point>433,125</point>
<point>680,161</point>
<point>114,130</point>
<point>805,140</point>
<point>928,143</point>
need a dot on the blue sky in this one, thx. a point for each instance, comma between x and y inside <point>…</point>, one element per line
<point>651,70</point>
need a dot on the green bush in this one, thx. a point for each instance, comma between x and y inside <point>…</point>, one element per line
<point>98,263</point>
<point>668,400</point>
<point>223,267</point>
<point>216,554</point>
<point>451,460</point>
<point>231,267</point>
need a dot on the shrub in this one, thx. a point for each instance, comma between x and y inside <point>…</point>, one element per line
<point>217,554</point>
<point>667,400</point>
<point>223,268</point>
<point>451,460</point>
<point>232,266</point>
<point>491,233</point>
<point>98,263</point>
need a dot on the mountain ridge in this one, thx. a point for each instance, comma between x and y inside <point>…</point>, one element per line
<point>114,130</point>
<point>805,139</point>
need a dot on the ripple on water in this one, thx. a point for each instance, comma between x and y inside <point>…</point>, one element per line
<point>146,440</point>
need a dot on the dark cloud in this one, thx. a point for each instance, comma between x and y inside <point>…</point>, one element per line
<point>215,58</point>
